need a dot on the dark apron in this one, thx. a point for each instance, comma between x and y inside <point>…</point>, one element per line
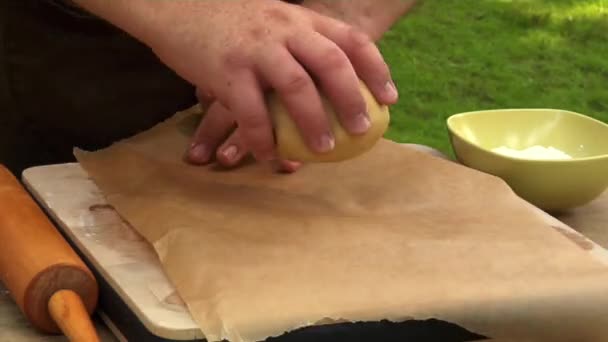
<point>69,79</point>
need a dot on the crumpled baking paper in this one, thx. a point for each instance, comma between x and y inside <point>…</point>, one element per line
<point>394,234</point>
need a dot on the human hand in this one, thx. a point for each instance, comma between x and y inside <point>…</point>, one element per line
<point>217,138</point>
<point>235,50</point>
<point>374,17</point>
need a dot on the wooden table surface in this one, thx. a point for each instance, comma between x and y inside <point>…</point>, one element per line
<point>590,220</point>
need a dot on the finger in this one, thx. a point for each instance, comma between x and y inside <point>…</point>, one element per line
<point>214,127</point>
<point>365,57</point>
<point>203,97</point>
<point>288,166</point>
<point>298,93</point>
<point>337,78</point>
<point>248,105</point>
<point>232,151</point>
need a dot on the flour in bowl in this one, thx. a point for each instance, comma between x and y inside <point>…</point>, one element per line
<point>533,152</point>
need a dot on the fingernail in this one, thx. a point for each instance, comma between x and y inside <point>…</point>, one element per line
<point>326,143</point>
<point>199,153</point>
<point>286,166</point>
<point>230,152</point>
<point>361,123</point>
<point>391,90</point>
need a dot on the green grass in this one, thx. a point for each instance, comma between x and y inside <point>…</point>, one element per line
<point>452,56</point>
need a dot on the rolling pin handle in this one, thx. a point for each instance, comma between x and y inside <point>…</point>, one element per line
<point>68,311</point>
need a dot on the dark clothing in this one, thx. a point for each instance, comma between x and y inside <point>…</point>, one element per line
<point>70,79</point>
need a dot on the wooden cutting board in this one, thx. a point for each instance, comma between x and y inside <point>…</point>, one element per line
<point>138,299</point>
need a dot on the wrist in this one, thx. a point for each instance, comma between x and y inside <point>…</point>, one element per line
<point>337,10</point>
<point>138,18</point>
<point>374,17</point>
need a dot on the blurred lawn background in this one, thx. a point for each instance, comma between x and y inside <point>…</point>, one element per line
<point>451,56</point>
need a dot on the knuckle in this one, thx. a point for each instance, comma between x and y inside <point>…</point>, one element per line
<point>358,39</point>
<point>295,82</point>
<point>259,33</point>
<point>333,58</point>
<point>234,58</point>
<point>276,15</point>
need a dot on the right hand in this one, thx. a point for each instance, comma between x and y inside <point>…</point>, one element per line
<point>235,50</point>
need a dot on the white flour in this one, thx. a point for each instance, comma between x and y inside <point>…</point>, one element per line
<point>534,152</point>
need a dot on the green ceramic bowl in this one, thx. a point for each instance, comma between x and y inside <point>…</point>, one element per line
<point>552,185</point>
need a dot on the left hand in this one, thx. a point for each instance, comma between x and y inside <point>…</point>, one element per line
<point>217,138</point>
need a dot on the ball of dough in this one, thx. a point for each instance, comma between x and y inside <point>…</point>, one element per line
<point>291,145</point>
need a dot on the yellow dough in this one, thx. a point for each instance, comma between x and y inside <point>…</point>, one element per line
<point>291,146</point>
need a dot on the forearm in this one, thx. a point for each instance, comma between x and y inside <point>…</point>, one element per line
<point>374,17</point>
<point>135,17</point>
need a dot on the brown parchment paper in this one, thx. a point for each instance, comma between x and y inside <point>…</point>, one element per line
<point>394,234</point>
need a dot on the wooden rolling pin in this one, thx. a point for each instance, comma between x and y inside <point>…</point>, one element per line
<point>49,282</point>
